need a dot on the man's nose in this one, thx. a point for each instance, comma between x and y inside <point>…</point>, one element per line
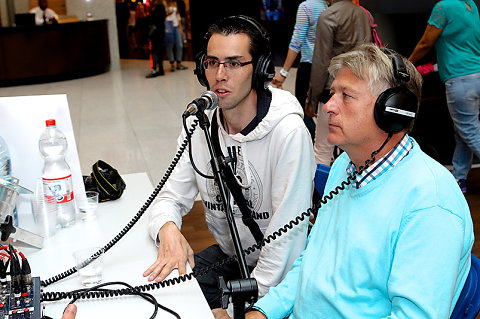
<point>221,72</point>
<point>330,105</point>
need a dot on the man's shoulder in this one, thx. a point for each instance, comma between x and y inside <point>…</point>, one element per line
<point>285,111</point>
<point>336,5</point>
<point>423,172</point>
<point>50,11</point>
<point>284,103</point>
<point>335,9</point>
<point>313,3</point>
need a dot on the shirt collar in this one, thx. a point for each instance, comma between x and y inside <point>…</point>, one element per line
<point>382,165</point>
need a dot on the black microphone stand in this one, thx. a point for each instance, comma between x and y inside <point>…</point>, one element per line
<point>245,289</point>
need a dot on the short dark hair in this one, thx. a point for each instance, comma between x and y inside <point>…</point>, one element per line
<point>259,38</point>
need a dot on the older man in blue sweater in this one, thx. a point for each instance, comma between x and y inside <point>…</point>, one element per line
<point>396,241</point>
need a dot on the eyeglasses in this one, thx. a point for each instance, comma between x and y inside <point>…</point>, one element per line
<point>212,65</point>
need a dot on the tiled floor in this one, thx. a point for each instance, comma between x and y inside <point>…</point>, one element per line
<point>124,119</point>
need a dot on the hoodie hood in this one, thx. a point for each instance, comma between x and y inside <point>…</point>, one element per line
<point>283,103</point>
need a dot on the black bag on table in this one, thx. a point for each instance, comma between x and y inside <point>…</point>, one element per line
<point>105,180</point>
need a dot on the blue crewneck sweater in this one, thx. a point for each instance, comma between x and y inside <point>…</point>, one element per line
<point>398,247</point>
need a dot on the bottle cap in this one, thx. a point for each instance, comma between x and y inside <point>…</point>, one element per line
<point>50,122</point>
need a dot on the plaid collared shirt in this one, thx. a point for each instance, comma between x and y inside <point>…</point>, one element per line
<point>384,164</point>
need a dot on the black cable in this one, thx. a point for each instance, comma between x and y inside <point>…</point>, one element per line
<point>189,140</point>
<point>135,219</point>
<point>84,293</point>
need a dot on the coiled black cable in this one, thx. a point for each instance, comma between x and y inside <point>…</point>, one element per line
<point>53,296</point>
<point>99,291</point>
<point>135,219</point>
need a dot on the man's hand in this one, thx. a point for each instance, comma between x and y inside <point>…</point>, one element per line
<point>70,312</point>
<point>173,252</point>
<point>255,315</point>
<point>310,110</point>
<point>278,80</point>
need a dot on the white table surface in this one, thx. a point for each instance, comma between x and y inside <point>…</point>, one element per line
<point>126,261</point>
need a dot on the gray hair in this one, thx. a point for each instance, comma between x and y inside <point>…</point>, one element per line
<point>370,63</point>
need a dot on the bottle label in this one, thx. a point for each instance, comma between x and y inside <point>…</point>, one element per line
<point>61,189</point>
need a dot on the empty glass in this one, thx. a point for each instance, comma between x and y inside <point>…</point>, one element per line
<point>88,205</point>
<point>90,268</point>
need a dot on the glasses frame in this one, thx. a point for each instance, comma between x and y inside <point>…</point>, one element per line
<point>241,64</point>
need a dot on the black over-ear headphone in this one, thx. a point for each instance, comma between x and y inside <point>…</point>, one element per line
<point>396,107</point>
<point>264,69</point>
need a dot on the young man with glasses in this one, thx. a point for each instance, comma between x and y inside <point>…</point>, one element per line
<point>261,130</point>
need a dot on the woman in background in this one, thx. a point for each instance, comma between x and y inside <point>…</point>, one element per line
<point>173,24</point>
<point>454,29</point>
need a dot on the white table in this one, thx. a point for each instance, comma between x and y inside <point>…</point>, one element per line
<point>126,261</point>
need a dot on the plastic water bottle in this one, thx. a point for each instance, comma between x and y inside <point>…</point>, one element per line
<point>57,177</point>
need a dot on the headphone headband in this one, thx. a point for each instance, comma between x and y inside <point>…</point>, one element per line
<point>260,29</point>
<point>400,71</point>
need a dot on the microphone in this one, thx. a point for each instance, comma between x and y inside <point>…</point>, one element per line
<point>207,101</point>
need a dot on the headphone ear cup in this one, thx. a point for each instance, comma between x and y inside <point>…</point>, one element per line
<point>263,73</point>
<point>395,109</point>
<point>200,70</point>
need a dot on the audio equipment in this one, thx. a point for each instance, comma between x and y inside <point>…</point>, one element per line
<point>19,292</point>
<point>396,107</point>
<point>263,67</point>
<point>207,101</point>
<point>20,307</point>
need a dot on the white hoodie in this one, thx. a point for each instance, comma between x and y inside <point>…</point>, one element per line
<point>275,168</point>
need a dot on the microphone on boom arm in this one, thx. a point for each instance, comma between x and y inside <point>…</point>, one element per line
<point>207,101</point>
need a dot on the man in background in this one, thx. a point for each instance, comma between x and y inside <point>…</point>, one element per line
<point>43,14</point>
<point>340,28</point>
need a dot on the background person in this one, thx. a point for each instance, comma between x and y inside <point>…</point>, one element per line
<point>454,30</point>
<point>173,18</point>
<point>303,41</point>
<point>340,28</point>
<point>396,243</point>
<point>276,184</point>
<point>43,14</point>
<point>156,20</point>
